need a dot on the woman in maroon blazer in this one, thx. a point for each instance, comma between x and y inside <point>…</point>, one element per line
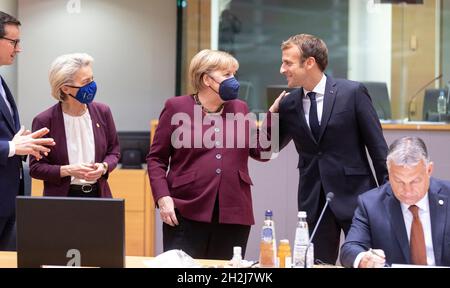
<point>87,146</point>
<point>198,163</point>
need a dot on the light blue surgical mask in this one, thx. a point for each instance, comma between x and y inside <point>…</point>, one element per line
<point>86,93</point>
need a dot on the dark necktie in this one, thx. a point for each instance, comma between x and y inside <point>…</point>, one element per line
<point>417,239</point>
<point>313,118</point>
<point>11,108</point>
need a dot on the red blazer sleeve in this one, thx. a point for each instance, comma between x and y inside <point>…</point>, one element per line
<point>113,149</point>
<point>259,151</point>
<point>160,153</point>
<point>42,169</point>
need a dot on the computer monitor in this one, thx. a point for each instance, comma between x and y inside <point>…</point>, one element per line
<point>61,231</point>
<point>430,105</point>
<point>134,147</point>
<point>380,98</point>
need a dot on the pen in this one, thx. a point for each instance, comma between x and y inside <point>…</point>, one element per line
<point>254,264</point>
<point>381,256</point>
<point>375,253</point>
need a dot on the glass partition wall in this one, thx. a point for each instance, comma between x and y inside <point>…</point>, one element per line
<point>399,49</point>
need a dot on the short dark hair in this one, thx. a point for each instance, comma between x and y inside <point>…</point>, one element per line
<point>309,46</point>
<point>6,19</point>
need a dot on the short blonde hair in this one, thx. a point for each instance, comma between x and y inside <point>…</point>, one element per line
<point>63,69</point>
<point>207,61</point>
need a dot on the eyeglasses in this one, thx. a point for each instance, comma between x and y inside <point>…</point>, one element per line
<point>13,42</point>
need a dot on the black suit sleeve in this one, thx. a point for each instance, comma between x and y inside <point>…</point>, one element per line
<point>372,133</point>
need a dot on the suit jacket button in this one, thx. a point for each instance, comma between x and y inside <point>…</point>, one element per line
<point>218,171</point>
<point>218,156</point>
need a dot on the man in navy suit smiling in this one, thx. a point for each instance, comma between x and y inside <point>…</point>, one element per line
<point>14,140</point>
<point>331,122</point>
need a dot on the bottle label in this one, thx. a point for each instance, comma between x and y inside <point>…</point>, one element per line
<point>301,236</point>
<point>288,262</point>
<point>299,256</point>
<point>267,234</point>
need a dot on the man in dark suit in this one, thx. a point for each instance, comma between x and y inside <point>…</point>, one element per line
<point>405,221</point>
<point>14,141</point>
<point>332,122</point>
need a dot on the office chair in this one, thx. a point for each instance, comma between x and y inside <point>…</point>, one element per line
<point>273,91</point>
<point>245,90</point>
<point>380,98</point>
<point>430,104</point>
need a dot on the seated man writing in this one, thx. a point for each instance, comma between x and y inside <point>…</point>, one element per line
<point>404,221</point>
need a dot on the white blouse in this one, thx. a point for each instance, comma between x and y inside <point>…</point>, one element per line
<point>80,141</point>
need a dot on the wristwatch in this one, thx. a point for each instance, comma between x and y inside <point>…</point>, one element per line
<point>105,168</point>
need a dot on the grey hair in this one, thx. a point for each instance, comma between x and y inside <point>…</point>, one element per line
<point>63,69</point>
<point>408,151</point>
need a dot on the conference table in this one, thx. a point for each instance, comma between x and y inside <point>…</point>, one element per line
<point>9,260</point>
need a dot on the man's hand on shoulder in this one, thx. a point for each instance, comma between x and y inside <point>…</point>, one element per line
<point>276,104</point>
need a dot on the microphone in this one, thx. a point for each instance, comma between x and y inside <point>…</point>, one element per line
<point>329,198</point>
<point>448,93</point>
<point>413,98</point>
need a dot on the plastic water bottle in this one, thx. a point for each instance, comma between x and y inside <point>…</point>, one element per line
<point>284,254</point>
<point>441,103</point>
<point>301,242</point>
<point>267,253</point>
<point>236,261</point>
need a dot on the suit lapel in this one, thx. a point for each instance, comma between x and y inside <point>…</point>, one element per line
<point>395,215</point>
<point>95,128</point>
<point>13,107</point>
<point>438,215</point>
<point>328,103</point>
<point>5,110</point>
<point>59,134</point>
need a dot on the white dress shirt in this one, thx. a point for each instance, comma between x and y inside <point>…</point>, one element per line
<point>80,142</point>
<point>12,147</point>
<point>424,214</point>
<point>320,93</point>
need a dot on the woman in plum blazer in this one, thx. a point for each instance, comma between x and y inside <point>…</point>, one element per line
<point>87,146</point>
<point>198,164</point>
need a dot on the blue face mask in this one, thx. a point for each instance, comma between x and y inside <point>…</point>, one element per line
<point>86,94</point>
<point>229,89</point>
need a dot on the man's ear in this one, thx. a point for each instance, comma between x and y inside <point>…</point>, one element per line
<point>310,62</point>
<point>430,168</point>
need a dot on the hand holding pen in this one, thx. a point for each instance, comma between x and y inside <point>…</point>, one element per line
<point>373,258</point>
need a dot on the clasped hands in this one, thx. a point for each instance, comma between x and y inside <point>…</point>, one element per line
<point>84,171</point>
